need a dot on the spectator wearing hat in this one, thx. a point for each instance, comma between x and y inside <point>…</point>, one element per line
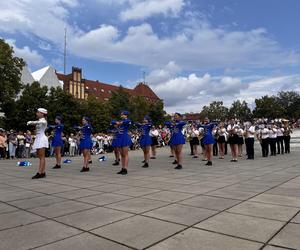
<point>124,141</point>
<point>57,142</point>
<point>41,141</point>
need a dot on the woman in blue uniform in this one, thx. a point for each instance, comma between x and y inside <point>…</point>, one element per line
<point>145,139</point>
<point>208,139</point>
<point>124,141</point>
<point>86,142</point>
<point>114,130</point>
<point>57,142</point>
<point>177,138</point>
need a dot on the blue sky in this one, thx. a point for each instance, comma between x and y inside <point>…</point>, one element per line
<point>193,51</point>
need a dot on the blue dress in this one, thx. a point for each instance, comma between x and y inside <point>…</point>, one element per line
<point>116,137</point>
<point>177,137</point>
<point>145,139</point>
<point>86,140</point>
<point>57,140</point>
<point>208,137</point>
<point>124,138</point>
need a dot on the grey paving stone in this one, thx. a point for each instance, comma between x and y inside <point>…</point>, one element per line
<point>17,218</point>
<point>109,187</point>
<point>273,248</point>
<point>62,208</point>
<point>168,196</point>
<point>137,191</point>
<point>277,199</point>
<point>268,211</point>
<point>138,231</point>
<point>242,226</point>
<point>18,195</point>
<point>181,214</point>
<point>75,194</point>
<point>195,239</point>
<point>209,202</point>
<point>93,218</point>
<point>84,241</point>
<point>137,205</point>
<point>297,219</point>
<point>289,236</point>
<point>104,199</point>
<point>4,208</point>
<point>36,202</point>
<point>34,235</point>
<point>232,194</point>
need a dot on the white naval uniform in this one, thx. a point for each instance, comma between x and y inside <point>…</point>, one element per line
<point>41,140</point>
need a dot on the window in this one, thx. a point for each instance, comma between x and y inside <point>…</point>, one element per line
<point>79,76</point>
<point>82,91</point>
<point>86,96</point>
<point>71,87</point>
<point>75,76</point>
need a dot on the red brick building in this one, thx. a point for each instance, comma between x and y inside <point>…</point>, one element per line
<point>82,88</point>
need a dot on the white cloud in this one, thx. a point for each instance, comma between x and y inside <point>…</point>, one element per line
<point>141,10</point>
<point>190,93</point>
<point>32,57</point>
<point>45,19</point>
<point>202,48</point>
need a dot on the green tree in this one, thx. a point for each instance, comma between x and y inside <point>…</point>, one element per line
<point>157,113</point>
<point>10,78</point>
<point>118,101</point>
<point>99,112</point>
<point>60,102</point>
<point>289,100</point>
<point>240,110</point>
<point>138,107</point>
<point>215,110</point>
<point>268,107</point>
<point>33,97</point>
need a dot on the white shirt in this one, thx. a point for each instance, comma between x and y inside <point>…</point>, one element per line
<point>240,132</point>
<point>264,133</point>
<point>154,133</point>
<point>250,132</point>
<point>280,132</point>
<point>273,133</point>
<point>232,127</point>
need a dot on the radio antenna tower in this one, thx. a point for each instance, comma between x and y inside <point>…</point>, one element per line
<point>65,51</point>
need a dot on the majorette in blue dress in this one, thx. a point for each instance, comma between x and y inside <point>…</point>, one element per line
<point>86,140</point>
<point>145,139</point>
<point>115,131</point>
<point>57,139</point>
<point>177,137</point>
<point>124,139</point>
<point>208,137</point>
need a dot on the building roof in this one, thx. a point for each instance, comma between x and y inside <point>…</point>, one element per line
<point>26,76</point>
<point>47,76</point>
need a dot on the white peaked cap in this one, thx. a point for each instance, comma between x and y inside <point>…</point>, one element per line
<point>43,111</point>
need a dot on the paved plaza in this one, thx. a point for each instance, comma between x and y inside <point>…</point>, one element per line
<point>229,206</point>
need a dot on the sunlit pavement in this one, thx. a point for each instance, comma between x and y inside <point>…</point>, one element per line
<point>252,204</point>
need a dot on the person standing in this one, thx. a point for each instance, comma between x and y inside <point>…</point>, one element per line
<point>21,145</point>
<point>280,148</point>
<point>263,135</point>
<point>233,139</point>
<point>208,140</point>
<point>222,138</point>
<point>240,133</point>
<point>2,144</point>
<point>12,144</point>
<point>72,142</point>
<point>28,143</point>
<point>287,131</point>
<point>177,138</point>
<point>194,140</point>
<point>57,142</point>
<point>249,140</point>
<point>114,130</point>
<point>85,142</point>
<point>41,141</point>
<point>272,138</point>
<point>145,139</point>
<point>154,133</point>
<point>124,142</point>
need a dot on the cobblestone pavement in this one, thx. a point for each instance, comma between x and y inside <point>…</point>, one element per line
<point>252,204</point>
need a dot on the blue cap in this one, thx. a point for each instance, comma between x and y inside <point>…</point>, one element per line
<point>148,118</point>
<point>58,117</point>
<point>178,114</point>
<point>125,112</point>
<point>86,118</point>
